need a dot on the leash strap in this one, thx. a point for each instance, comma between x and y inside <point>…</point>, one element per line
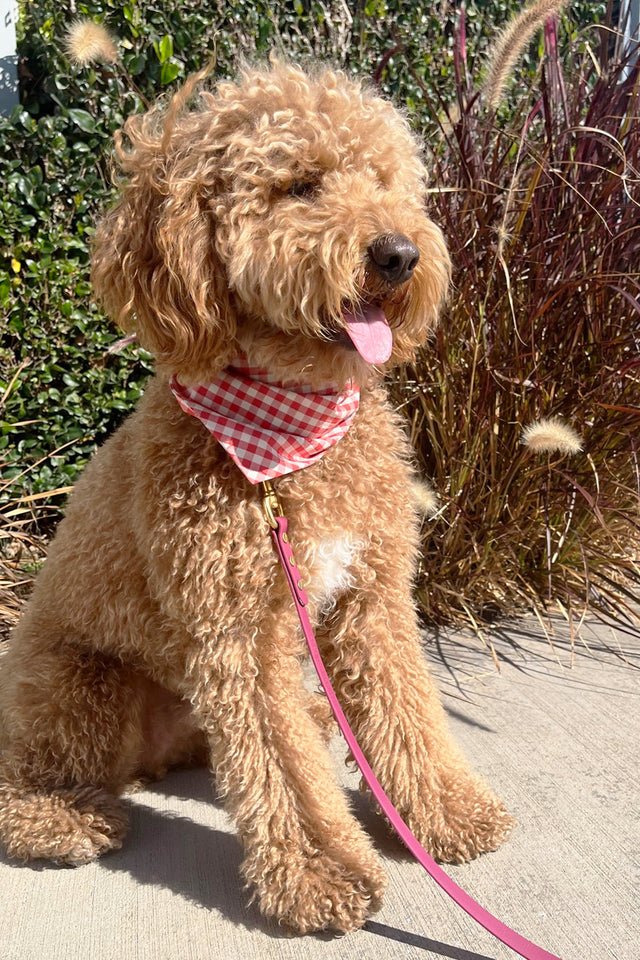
<point>501,931</point>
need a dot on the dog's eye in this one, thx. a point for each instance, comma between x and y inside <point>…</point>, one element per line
<point>303,189</point>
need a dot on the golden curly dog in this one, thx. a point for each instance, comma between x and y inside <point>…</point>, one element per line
<point>252,220</point>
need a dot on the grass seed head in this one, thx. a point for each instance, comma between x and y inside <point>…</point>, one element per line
<point>90,42</point>
<point>551,435</point>
<point>512,42</point>
<point>424,497</point>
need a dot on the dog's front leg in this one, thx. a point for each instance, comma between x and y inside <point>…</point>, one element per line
<point>371,646</point>
<point>310,864</point>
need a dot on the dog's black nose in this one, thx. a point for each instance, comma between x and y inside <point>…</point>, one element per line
<point>393,257</point>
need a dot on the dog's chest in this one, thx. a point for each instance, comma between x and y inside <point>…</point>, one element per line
<point>331,569</point>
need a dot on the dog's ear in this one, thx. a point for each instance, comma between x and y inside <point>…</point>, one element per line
<point>155,267</point>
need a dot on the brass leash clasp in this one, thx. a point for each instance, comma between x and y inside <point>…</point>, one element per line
<point>270,504</point>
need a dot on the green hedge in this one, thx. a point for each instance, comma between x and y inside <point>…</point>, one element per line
<point>62,393</point>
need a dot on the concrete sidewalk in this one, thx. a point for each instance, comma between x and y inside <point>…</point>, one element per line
<point>558,742</point>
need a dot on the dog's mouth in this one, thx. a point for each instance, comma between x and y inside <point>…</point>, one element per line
<point>366,330</point>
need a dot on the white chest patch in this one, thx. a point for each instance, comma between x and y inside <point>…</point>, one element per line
<point>331,570</point>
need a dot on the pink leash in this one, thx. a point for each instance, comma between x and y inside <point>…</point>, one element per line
<point>501,931</point>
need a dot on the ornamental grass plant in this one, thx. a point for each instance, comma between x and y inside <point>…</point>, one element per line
<point>525,407</point>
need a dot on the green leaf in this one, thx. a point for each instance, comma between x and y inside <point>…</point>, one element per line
<point>169,72</point>
<point>165,49</point>
<point>83,119</point>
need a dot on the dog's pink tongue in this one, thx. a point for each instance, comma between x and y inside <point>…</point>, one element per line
<point>370,333</point>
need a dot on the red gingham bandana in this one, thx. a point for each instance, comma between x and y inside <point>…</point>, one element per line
<point>269,428</point>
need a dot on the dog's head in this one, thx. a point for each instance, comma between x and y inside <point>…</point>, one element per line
<point>283,215</point>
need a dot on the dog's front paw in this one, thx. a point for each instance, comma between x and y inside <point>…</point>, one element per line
<point>318,892</point>
<point>462,822</point>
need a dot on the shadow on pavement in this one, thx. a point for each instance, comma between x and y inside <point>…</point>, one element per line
<point>423,943</point>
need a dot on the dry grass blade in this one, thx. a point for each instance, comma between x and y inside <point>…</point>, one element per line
<point>22,549</point>
<point>23,532</point>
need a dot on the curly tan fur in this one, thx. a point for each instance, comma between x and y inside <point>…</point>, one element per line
<point>160,628</point>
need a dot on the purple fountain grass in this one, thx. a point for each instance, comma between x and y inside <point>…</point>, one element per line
<point>541,206</point>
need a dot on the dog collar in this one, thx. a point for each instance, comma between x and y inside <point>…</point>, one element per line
<point>269,428</point>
